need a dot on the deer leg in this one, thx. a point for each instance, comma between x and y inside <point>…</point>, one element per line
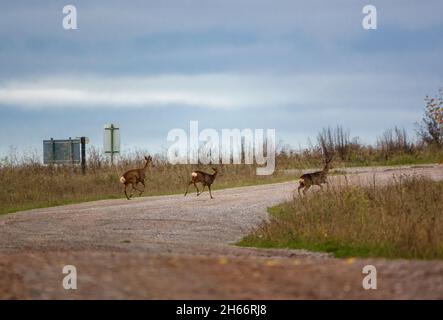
<point>143,183</point>
<point>126,194</point>
<point>195,185</point>
<point>202,190</point>
<point>187,188</point>
<point>298,189</point>
<point>144,187</point>
<point>132,191</point>
<point>134,186</point>
<point>210,193</point>
<point>306,188</point>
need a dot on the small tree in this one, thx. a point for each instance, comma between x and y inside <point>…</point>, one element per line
<point>430,129</point>
<point>394,141</point>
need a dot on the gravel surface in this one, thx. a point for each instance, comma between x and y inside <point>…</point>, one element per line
<point>178,247</point>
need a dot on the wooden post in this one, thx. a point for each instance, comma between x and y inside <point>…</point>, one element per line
<point>112,144</point>
<point>83,154</point>
<point>53,151</point>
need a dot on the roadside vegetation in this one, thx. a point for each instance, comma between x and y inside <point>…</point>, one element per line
<point>403,219</point>
<point>26,183</point>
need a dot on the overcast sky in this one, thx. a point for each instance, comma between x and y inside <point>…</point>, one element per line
<point>151,66</point>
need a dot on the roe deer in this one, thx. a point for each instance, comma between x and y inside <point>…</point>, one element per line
<point>315,178</point>
<point>206,179</point>
<point>134,176</point>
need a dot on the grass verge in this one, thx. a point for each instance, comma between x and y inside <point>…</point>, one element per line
<point>403,219</point>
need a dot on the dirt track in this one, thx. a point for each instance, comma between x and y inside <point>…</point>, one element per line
<point>181,247</point>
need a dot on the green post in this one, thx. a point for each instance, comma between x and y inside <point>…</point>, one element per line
<point>112,144</point>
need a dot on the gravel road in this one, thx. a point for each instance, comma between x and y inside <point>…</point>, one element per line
<point>175,247</point>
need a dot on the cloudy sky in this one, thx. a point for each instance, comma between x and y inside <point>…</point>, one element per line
<point>151,66</point>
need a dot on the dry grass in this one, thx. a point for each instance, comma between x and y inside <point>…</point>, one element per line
<point>26,183</point>
<point>403,219</point>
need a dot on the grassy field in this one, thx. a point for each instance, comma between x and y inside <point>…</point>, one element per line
<point>403,219</point>
<point>27,184</point>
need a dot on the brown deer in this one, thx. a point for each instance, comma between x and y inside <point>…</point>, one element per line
<point>134,176</point>
<point>315,178</point>
<point>206,179</point>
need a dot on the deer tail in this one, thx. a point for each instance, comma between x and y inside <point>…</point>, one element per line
<point>194,174</point>
<point>301,181</point>
<point>122,179</point>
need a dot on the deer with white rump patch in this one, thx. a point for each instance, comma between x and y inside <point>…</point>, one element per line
<point>135,176</point>
<point>206,179</point>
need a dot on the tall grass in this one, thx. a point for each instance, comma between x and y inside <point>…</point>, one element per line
<point>354,154</point>
<point>27,183</point>
<point>403,219</point>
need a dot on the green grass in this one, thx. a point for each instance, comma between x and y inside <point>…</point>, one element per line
<point>403,219</point>
<point>39,205</point>
<point>425,157</point>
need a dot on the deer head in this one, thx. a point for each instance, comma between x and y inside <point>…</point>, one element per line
<point>148,160</point>
<point>328,160</point>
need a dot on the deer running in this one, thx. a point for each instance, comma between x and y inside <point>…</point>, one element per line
<point>134,176</point>
<point>206,179</point>
<point>315,178</point>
